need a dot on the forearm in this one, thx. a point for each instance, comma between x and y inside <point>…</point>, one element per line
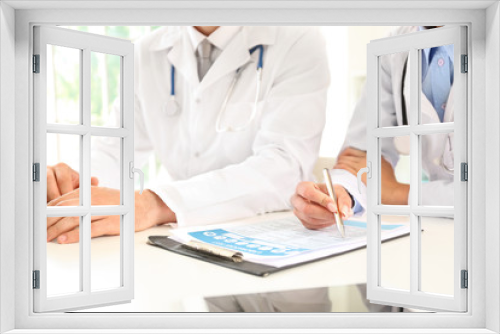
<point>395,194</point>
<point>152,209</point>
<point>258,185</point>
<point>438,193</point>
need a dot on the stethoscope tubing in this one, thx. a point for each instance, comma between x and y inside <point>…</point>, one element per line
<point>172,80</point>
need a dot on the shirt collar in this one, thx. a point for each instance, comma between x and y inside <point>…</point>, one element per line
<point>219,38</point>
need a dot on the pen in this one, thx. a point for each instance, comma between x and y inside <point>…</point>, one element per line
<point>329,186</point>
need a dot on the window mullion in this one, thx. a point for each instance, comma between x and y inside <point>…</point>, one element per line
<point>109,132</point>
<point>98,210</point>
<point>68,129</point>
<point>433,128</point>
<point>414,170</point>
<point>393,131</point>
<point>421,211</point>
<point>85,191</point>
<point>373,253</point>
<point>397,210</point>
<point>421,129</point>
<point>82,130</point>
<point>127,156</point>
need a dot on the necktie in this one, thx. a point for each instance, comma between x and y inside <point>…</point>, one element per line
<point>204,63</point>
<point>438,79</point>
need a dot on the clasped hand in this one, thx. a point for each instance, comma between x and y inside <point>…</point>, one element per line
<point>63,190</point>
<point>393,192</point>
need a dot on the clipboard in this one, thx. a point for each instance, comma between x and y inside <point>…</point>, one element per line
<point>247,267</point>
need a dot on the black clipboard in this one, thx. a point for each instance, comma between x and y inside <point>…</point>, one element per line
<point>252,268</point>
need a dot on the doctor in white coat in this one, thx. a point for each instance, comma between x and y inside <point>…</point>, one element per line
<point>311,203</point>
<point>216,174</point>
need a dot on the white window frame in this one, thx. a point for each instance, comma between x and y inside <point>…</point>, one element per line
<point>484,102</point>
<point>411,43</point>
<point>85,43</point>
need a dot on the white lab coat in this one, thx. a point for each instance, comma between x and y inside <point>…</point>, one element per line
<point>222,176</point>
<point>439,191</point>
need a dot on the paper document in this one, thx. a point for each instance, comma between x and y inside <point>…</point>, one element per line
<point>285,242</point>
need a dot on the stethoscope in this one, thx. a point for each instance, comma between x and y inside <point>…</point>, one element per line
<point>402,143</point>
<point>172,107</point>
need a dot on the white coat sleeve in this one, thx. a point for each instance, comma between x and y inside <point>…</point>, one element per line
<point>438,193</point>
<point>105,153</point>
<point>284,150</point>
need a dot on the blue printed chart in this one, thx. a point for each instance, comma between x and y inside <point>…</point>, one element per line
<point>281,238</point>
<point>285,241</point>
<point>240,243</point>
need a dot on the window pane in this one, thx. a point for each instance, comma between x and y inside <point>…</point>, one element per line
<point>105,253</point>
<point>395,168</point>
<point>437,170</point>
<point>106,170</point>
<point>436,262</point>
<point>386,90</point>
<point>105,89</point>
<point>63,85</point>
<point>63,168</point>
<point>437,74</point>
<point>395,255</point>
<point>63,259</point>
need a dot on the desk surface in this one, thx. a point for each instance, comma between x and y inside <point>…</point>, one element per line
<point>167,282</point>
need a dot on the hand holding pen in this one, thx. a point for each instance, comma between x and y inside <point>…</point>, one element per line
<point>315,208</point>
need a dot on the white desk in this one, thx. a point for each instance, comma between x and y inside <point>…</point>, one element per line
<point>167,282</point>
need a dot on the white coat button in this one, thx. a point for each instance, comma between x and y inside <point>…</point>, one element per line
<point>196,154</point>
<point>197,100</point>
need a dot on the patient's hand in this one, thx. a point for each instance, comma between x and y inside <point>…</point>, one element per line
<point>62,179</point>
<point>315,209</point>
<point>352,160</point>
<point>149,211</point>
<point>393,192</point>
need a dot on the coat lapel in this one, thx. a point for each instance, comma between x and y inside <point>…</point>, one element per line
<point>450,105</point>
<point>232,57</point>
<point>430,113</point>
<point>182,57</point>
<point>180,53</point>
<point>237,54</point>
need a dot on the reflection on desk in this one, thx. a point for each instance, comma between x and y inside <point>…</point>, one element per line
<point>346,298</point>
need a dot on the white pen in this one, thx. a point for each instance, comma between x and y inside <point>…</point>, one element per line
<point>329,186</point>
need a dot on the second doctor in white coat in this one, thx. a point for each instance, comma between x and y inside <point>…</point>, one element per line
<point>215,176</point>
<point>312,204</point>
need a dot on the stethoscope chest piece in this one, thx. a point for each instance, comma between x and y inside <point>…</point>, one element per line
<point>171,107</point>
